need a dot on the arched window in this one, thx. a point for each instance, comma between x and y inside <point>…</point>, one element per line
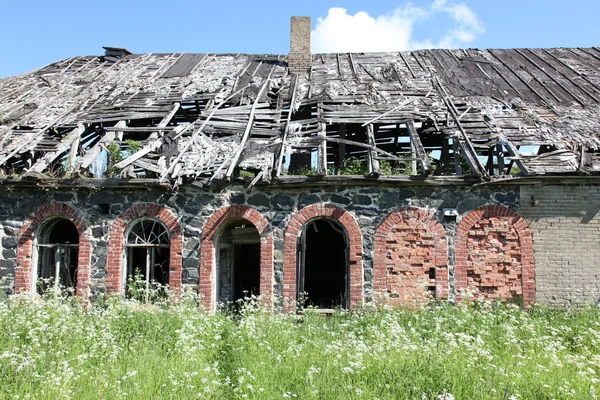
<point>147,252</point>
<point>57,252</point>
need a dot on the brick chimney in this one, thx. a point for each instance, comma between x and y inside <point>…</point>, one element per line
<point>299,59</point>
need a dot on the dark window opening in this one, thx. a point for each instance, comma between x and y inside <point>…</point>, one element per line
<point>239,262</point>
<point>322,265</point>
<point>147,256</point>
<point>57,251</point>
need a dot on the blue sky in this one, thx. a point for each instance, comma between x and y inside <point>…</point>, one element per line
<point>35,33</point>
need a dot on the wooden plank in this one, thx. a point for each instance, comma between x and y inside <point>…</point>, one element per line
<point>407,65</point>
<point>91,155</point>
<point>156,143</point>
<point>197,133</point>
<point>373,162</point>
<point>500,157</point>
<point>150,147</point>
<point>513,152</point>
<point>584,90</point>
<point>286,130</point>
<point>315,140</point>
<point>74,147</point>
<point>421,154</point>
<point>240,149</point>
<point>542,98</point>
<point>32,136</point>
<point>68,141</point>
<point>404,103</point>
<point>467,148</point>
<point>322,149</point>
<point>577,99</point>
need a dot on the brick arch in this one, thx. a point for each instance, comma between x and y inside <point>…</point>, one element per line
<point>217,221</point>
<point>116,245</point>
<point>294,229</point>
<point>494,255</point>
<point>410,227</point>
<point>26,238</point>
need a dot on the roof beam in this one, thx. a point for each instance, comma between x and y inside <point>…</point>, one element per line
<point>246,135</point>
<point>373,162</point>
<point>286,130</point>
<point>154,144</point>
<point>197,133</point>
<point>467,148</point>
<point>417,145</point>
<point>513,152</point>
<point>322,149</point>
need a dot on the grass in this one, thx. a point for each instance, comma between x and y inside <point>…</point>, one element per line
<point>50,348</point>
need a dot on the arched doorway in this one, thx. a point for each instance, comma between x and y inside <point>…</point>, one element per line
<point>239,262</point>
<point>57,255</point>
<point>323,264</point>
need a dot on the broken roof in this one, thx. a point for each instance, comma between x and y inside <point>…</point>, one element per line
<point>174,117</point>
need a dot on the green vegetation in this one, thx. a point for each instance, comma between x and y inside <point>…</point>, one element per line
<point>305,170</point>
<point>356,166</point>
<point>116,155</point>
<point>246,174</point>
<point>50,349</point>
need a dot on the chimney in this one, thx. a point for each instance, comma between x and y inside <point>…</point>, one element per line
<point>299,59</point>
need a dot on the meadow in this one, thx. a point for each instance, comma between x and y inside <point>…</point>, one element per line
<point>50,348</point>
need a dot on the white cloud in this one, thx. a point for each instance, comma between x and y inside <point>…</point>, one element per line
<point>342,32</point>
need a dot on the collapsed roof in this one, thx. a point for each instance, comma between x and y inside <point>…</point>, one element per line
<point>211,117</point>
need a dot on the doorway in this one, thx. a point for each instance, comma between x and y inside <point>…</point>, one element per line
<point>322,265</point>
<point>238,262</point>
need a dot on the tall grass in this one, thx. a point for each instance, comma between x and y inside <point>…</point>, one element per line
<point>50,348</point>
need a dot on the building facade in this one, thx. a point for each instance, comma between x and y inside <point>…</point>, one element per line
<point>333,179</point>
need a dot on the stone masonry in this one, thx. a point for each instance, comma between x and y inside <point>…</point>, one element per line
<point>419,250</point>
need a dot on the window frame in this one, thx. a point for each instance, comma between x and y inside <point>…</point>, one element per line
<point>40,239</point>
<point>150,252</point>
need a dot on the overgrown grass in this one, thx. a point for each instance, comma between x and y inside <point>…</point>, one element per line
<point>51,348</point>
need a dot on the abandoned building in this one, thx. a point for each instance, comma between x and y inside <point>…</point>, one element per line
<point>342,179</point>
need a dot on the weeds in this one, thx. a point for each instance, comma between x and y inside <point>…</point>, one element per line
<point>51,348</point>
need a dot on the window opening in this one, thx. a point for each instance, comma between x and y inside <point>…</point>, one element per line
<point>322,265</point>
<point>148,254</point>
<point>239,262</point>
<point>57,249</point>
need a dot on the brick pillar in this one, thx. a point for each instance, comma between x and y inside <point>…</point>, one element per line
<point>299,59</point>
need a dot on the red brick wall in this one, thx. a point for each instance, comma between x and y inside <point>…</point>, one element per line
<point>494,255</point>
<point>207,254</point>
<point>116,242</point>
<point>409,243</point>
<point>25,246</point>
<point>294,230</point>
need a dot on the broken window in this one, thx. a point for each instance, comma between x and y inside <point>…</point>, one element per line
<point>147,254</point>
<point>57,250</point>
<point>322,264</point>
<point>238,262</point>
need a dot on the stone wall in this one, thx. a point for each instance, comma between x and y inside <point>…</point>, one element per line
<point>561,272</point>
